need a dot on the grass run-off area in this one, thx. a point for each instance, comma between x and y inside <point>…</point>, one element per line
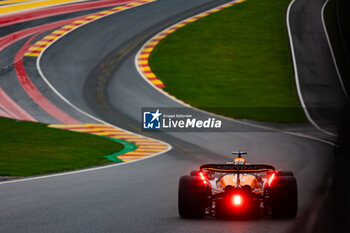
<point>235,62</point>
<point>28,148</point>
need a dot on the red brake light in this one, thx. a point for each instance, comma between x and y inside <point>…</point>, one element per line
<point>203,178</point>
<point>237,200</point>
<point>272,177</point>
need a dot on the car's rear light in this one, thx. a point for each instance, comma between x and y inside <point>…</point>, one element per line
<point>237,200</point>
<point>272,177</point>
<point>203,178</point>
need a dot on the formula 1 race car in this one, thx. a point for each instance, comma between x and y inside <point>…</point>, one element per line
<point>238,190</point>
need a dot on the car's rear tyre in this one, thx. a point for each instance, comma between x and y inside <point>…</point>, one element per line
<point>193,197</point>
<point>283,197</point>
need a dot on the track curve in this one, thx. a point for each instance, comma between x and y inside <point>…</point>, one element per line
<point>142,196</point>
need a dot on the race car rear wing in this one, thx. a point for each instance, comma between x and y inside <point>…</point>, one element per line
<point>230,168</point>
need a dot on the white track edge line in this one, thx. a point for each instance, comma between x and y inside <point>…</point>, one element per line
<point>332,52</point>
<point>86,114</point>
<point>296,76</point>
<point>210,113</point>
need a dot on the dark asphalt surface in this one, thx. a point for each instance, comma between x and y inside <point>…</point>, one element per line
<point>320,86</point>
<point>142,196</point>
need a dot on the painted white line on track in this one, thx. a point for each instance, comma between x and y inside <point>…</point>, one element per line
<point>86,114</point>
<point>332,52</point>
<point>217,115</point>
<point>296,76</point>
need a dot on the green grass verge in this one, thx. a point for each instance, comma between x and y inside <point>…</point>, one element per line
<point>28,148</point>
<point>235,62</point>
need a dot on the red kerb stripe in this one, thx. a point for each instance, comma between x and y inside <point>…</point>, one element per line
<point>34,93</point>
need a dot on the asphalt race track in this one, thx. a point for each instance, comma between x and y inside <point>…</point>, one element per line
<point>140,196</point>
<point>321,85</point>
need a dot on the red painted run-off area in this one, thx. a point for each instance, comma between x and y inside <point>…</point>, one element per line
<point>12,109</point>
<point>16,36</point>
<point>34,93</point>
<point>5,101</point>
<point>47,12</point>
<point>21,17</point>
